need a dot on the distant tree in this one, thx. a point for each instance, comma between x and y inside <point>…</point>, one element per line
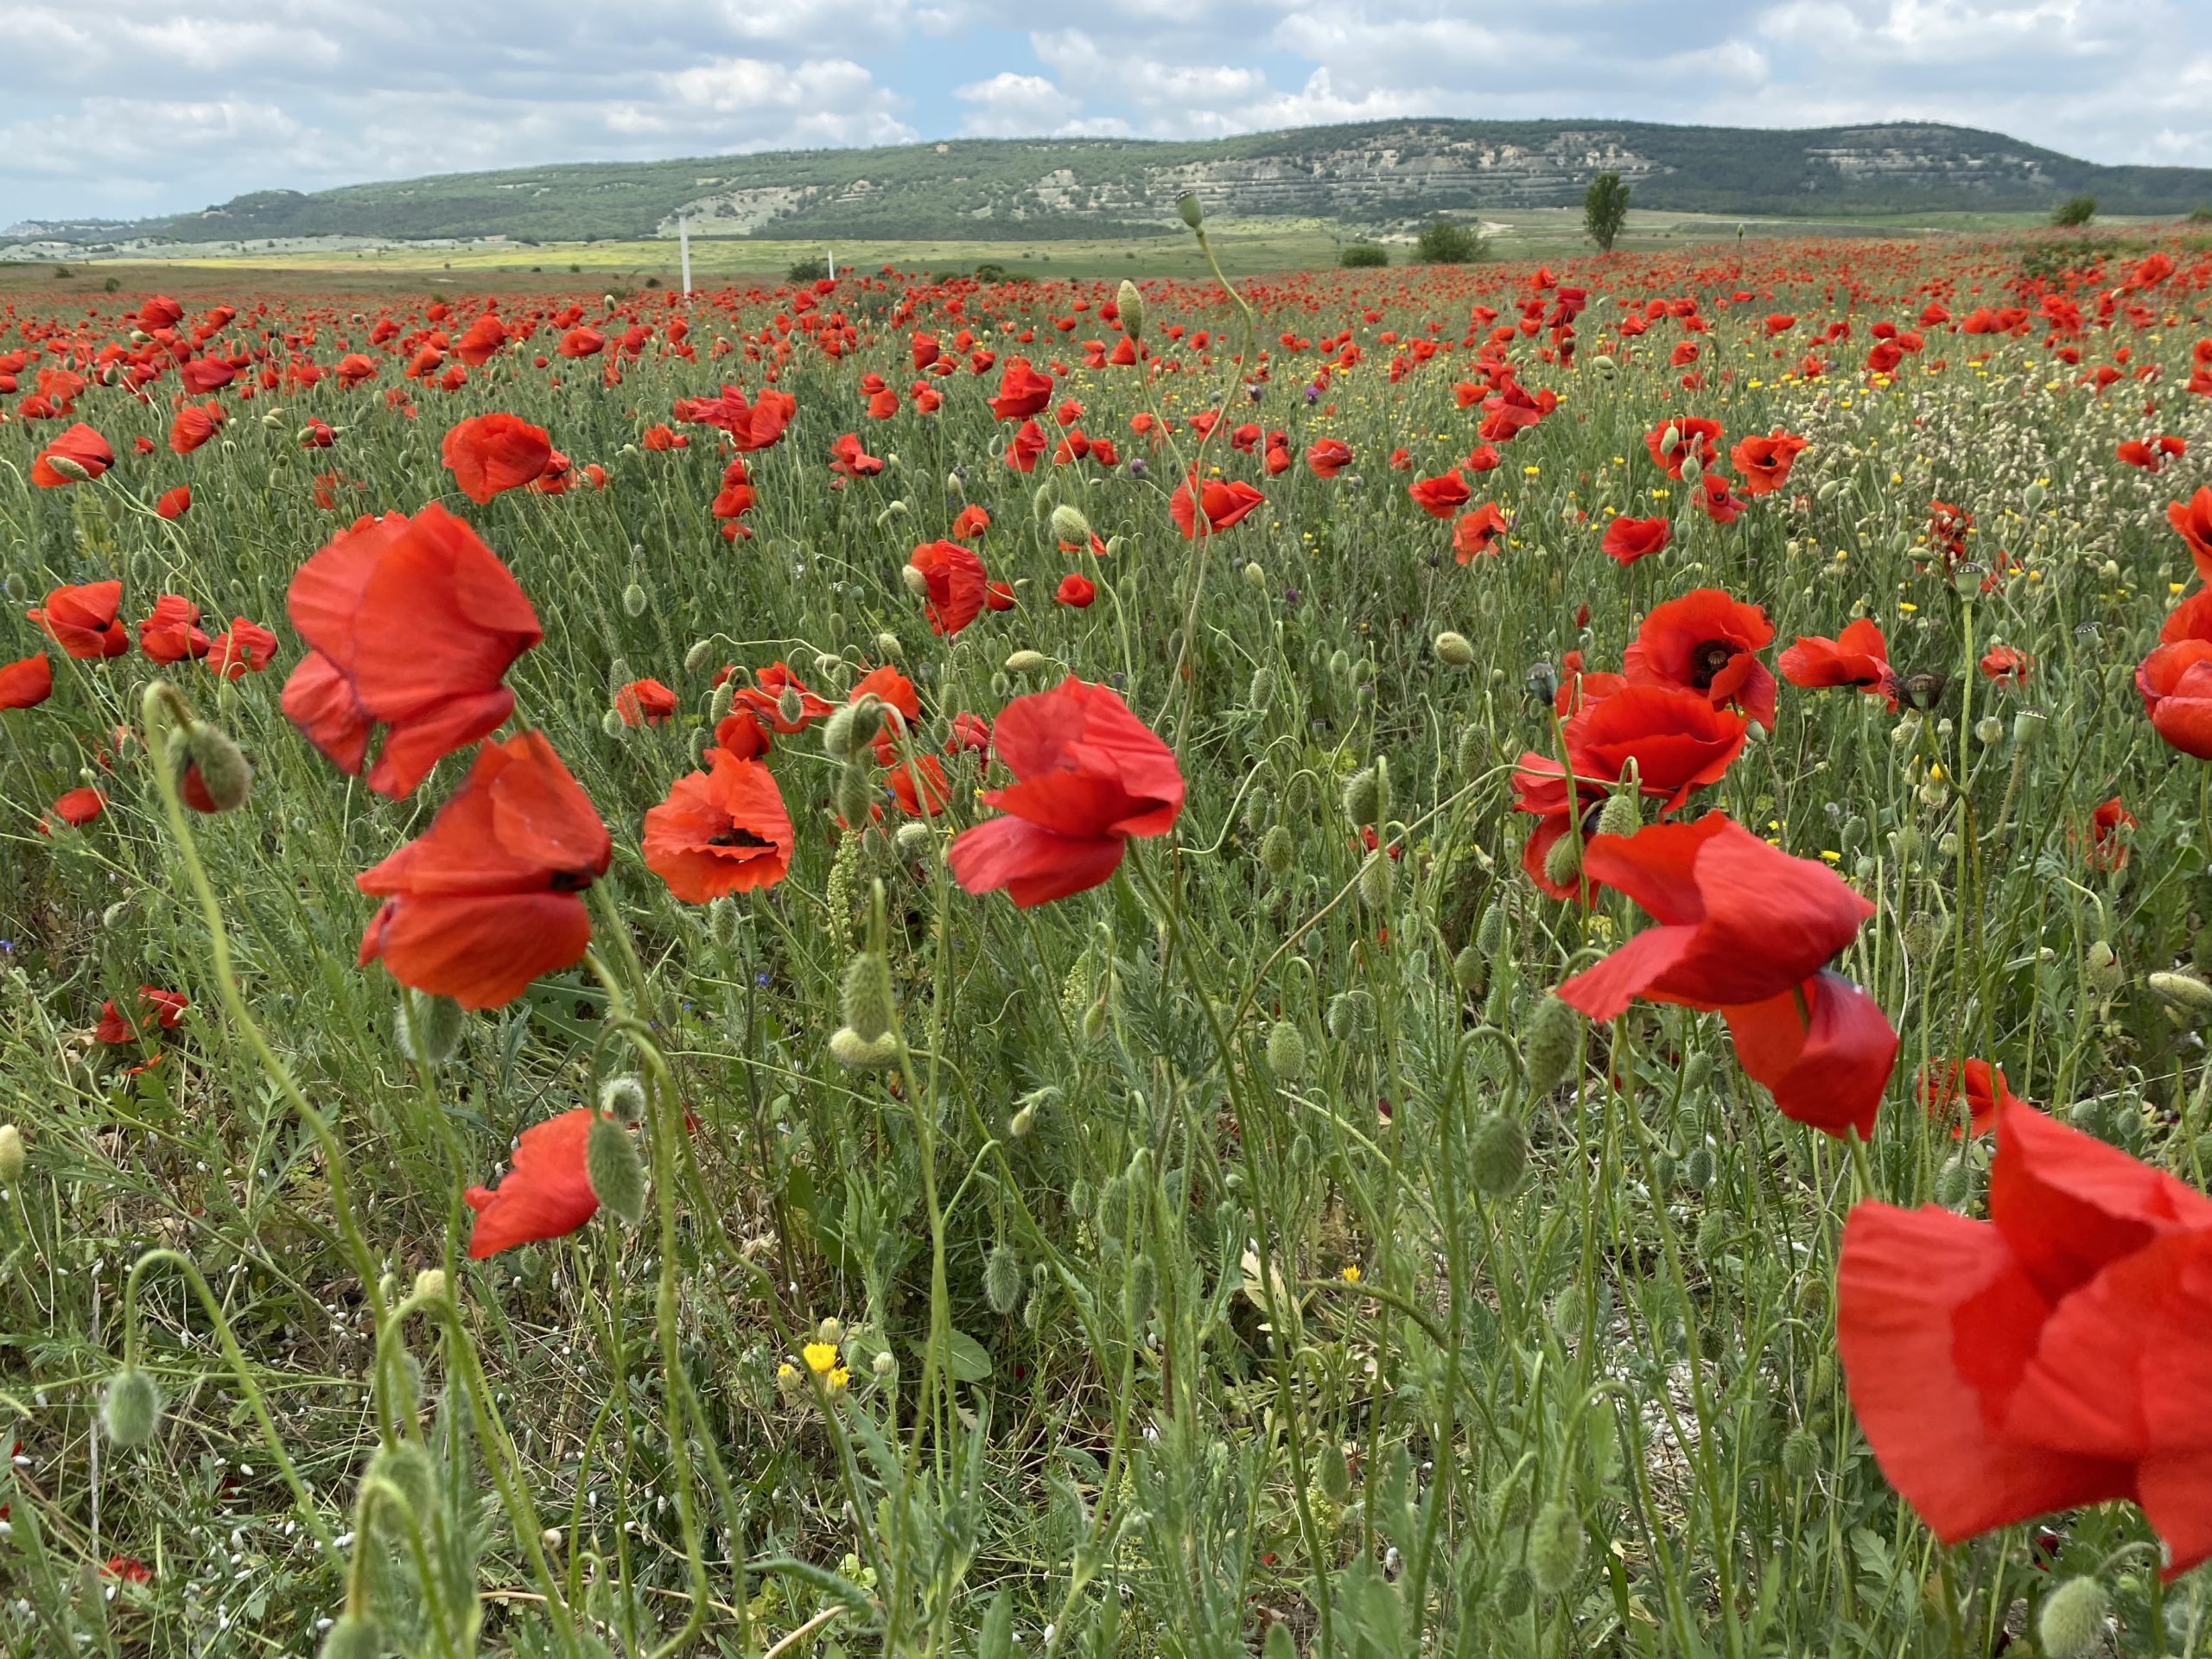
<point>1363,256</point>
<point>2075,212</point>
<point>1445,242</point>
<point>811,270</point>
<point>62,271</point>
<point>1605,209</point>
<point>2200,215</point>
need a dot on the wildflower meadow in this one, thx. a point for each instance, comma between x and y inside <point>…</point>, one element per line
<point>1471,960</point>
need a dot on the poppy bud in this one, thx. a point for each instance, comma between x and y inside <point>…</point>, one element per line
<point>12,1156</point>
<point>612,1167</point>
<point>1255,577</point>
<point>848,1048</point>
<point>634,599</point>
<point>1562,861</point>
<point>855,795</point>
<point>353,1637</point>
<point>1262,691</point>
<point>1069,526</point>
<point>1988,730</point>
<point>1693,469</point>
<point>1603,362</point>
<point>1497,1155</point>
<point>73,470</point>
<point>1128,302</point>
<point>1468,969</point>
<point>2184,991</point>
<point>1670,437</point>
<point>1514,1591</point>
<point>696,658</point>
<point>1555,1545</point>
<point>1286,1051</point>
<point>1025,662</point>
<point>430,1285</point>
<point>408,1467</point>
<point>1022,1123</point>
<point>1041,503</point>
<point>2103,965</point>
<point>1002,1280</point>
<point>2072,1622</point>
<point>1697,1169</point>
<point>1193,211</point>
<point>131,1409</point>
<point>1365,794</point>
<point>1474,751</point>
<point>623,1099</point>
<point>1143,1286</point>
<point>1953,1182</point>
<point>850,730</point>
<point>1801,1454</point>
<point>2032,498</point>
<point>1453,649</point>
<point>1374,880</point>
<point>1277,852</point>
<point>888,648</point>
<point>611,723</point>
<point>913,840</point>
<point>865,996</point>
<point>719,704</point>
<point>1619,816</point>
<point>1547,1043</point>
<point>428,1028</point>
<point>828,668</point>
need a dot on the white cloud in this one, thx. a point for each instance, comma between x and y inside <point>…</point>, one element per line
<point>1009,105</point>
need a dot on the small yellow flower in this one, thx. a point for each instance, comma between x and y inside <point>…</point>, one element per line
<point>1908,607</point>
<point>820,1358</point>
<point>1351,1274</point>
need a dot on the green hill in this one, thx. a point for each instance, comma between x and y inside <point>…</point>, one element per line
<point>1367,176</point>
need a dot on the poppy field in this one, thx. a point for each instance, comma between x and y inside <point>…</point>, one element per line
<point>1490,959</point>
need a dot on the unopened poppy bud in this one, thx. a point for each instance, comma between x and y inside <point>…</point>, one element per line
<point>1619,816</point>
<point>616,1171</point>
<point>1801,1454</point>
<point>1002,1280</point>
<point>1286,1051</point>
<point>1350,1014</point>
<point>1040,504</point>
<point>427,1028</point>
<point>1277,852</point>
<point>1469,970</point>
<point>12,1156</point>
<point>829,668</point>
<point>623,1098</point>
<point>1988,730</point>
<point>1827,490</point>
<point>611,723</point>
<point>791,706</point>
<point>888,648</point>
<point>848,1048</point>
<point>917,582</point>
<point>2183,991</point>
<point>1255,577</point>
<point>884,1363</point>
<point>1454,650</point>
<point>913,840</point>
<point>634,599</point>
<point>430,1285</point>
<point>720,703</point>
<point>2102,964</point>
<point>696,658</point>
<point>2032,498</point>
<point>353,1637</point>
<point>131,1409</point>
<point>1497,1155</point>
<point>1129,302</point>
<point>1262,691</point>
<point>73,470</point>
<point>1562,861</point>
<point>1366,793</point>
<point>1547,1043</point>
<point>2072,1622</point>
<point>1191,211</point>
<point>1023,1123</point>
<point>865,996</point>
<point>850,730</point>
<point>1025,662</point>
<point>1490,932</point>
<point>1555,1546</point>
<point>1474,751</point>
<point>1069,526</point>
<point>1953,1182</point>
<point>855,794</point>
<point>1603,362</point>
<point>1693,469</point>
<point>225,776</point>
<point>410,1470</point>
<point>1375,881</point>
<point>1670,437</point>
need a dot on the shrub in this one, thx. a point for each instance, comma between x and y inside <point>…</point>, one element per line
<point>1445,242</point>
<point>2074,211</point>
<point>807,270</point>
<point>1363,256</point>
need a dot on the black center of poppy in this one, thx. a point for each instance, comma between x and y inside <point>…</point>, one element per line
<point>738,835</point>
<point>568,880</point>
<point>1709,659</point>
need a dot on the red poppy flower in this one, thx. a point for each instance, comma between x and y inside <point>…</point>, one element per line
<point>972,734</point>
<point>1824,1049</point>
<point>582,342</point>
<point>194,425</point>
<point>1441,496</point>
<point>1328,457</point>
<point>1088,776</point>
<point>128,1569</point>
<point>481,342</point>
<point>1476,533</point>
<point>2192,522</point>
<point>76,808</point>
<point>172,632</point>
<point>2007,665</point>
<point>174,503</point>
<point>1679,740</point>
<point>1944,1084</point>
<point>2175,682</point>
<point>1022,391</point>
<point>847,457</point>
<point>766,697</point>
<point>1712,494</point>
<point>998,596</point>
<point>2050,1357</point>
<point>2151,454</point>
<point>82,453</point>
<point>1705,641</point>
<point>1693,436</point>
<point>2108,828</point>
<point>751,426</point>
<point>1627,540</point>
<point>1483,458</point>
<point>1075,590</point>
<point>82,620</point>
<point>742,734</point>
<point>644,703</point>
<point>971,522</point>
<point>156,1010</point>
<point>1857,657</point>
<point>1222,504</point>
<point>26,683</point>
<point>490,453</point>
<point>485,899</point>
<point>1948,526</point>
<point>241,649</point>
<point>413,623</point>
<point>1740,922</point>
<point>1765,461</point>
<point>545,1193</point>
<point>721,830</point>
<point>954,584</point>
<point>1027,444</point>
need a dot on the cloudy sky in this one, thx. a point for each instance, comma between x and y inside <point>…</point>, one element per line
<point>120,108</point>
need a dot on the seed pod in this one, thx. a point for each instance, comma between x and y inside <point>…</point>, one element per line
<point>1555,1546</point>
<point>12,1156</point>
<point>131,1408</point>
<point>1547,1043</point>
<point>1129,303</point>
<point>1286,1051</point>
<point>616,1171</point>
<point>1002,1280</point>
<point>1453,649</point>
<point>865,997</point>
<point>2072,1622</point>
<point>1497,1155</point>
<point>1190,209</point>
<point>848,1048</point>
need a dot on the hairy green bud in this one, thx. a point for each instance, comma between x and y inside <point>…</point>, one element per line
<point>1286,1051</point>
<point>1002,1280</point>
<point>1129,303</point>
<point>2072,1622</point>
<point>1556,1541</point>
<point>1619,816</point>
<point>1547,1043</point>
<point>616,1171</point>
<point>1454,650</point>
<point>12,1156</point>
<point>131,1408</point>
<point>848,1048</point>
<point>353,1638</point>
<point>1277,851</point>
<point>1497,1155</point>
<point>865,997</point>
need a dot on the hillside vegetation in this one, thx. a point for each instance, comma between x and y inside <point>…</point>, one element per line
<point>1054,189</point>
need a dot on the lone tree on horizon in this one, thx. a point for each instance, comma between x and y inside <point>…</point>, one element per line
<point>1605,209</point>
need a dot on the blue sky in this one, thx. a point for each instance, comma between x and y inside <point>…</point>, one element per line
<point>119,108</point>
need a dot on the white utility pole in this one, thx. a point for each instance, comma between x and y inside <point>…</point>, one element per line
<point>683,238</point>
<point>830,256</point>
